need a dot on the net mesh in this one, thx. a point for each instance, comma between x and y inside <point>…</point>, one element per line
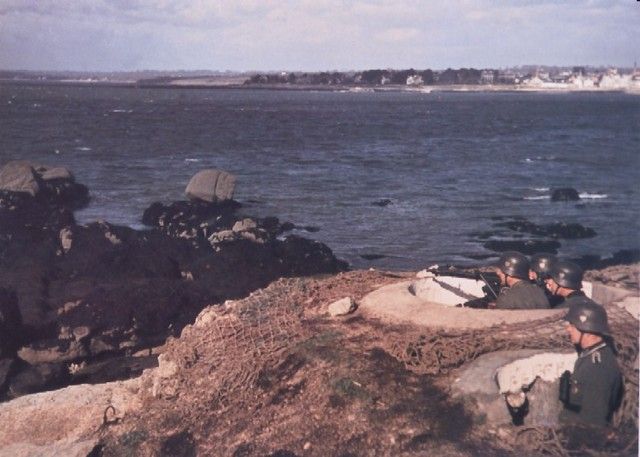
<point>220,357</point>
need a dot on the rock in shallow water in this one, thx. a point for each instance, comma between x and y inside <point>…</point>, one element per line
<point>211,186</point>
<point>564,194</point>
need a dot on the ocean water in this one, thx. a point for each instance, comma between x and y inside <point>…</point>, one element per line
<point>449,163</point>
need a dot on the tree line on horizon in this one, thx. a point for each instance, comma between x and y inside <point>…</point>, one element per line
<point>411,76</point>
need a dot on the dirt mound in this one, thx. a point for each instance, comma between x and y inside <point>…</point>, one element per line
<point>274,375</point>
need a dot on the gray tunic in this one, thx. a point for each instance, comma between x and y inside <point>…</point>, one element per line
<point>595,387</point>
<point>522,295</point>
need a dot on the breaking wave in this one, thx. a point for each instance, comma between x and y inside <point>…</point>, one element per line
<point>538,197</point>
<point>588,196</point>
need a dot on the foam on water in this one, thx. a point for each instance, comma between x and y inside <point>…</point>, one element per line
<point>538,197</point>
<point>588,196</point>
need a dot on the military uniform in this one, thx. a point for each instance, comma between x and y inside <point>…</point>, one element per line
<point>577,296</point>
<point>594,387</point>
<point>522,295</point>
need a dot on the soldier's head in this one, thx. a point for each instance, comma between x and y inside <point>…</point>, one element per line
<point>512,267</point>
<point>541,266</point>
<point>565,278</point>
<point>586,323</point>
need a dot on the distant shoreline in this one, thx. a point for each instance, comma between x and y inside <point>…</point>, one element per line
<point>509,88</point>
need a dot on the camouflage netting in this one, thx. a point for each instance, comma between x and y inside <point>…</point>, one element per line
<point>240,362</point>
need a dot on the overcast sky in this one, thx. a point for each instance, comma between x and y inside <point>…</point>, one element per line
<point>105,35</point>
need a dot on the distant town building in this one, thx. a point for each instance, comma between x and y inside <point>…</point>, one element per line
<point>487,76</point>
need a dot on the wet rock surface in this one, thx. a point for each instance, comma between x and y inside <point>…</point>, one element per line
<point>520,234</point>
<point>84,294</point>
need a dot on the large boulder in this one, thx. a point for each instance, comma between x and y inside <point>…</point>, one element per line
<point>19,176</point>
<point>211,185</point>
<point>54,186</point>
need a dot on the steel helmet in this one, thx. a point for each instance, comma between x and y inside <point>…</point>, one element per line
<point>567,274</point>
<point>542,264</point>
<point>588,316</point>
<point>514,264</point>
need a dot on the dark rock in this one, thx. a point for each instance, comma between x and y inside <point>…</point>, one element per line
<point>595,262</point>
<point>109,252</point>
<point>382,203</point>
<point>179,445</point>
<point>113,369</point>
<point>309,228</point>
<point>30,379</point>
<point>554,230</point>
<point>49,186</point>
<point>191,219</point>
<point>563,194</point>
<point>568,231</point>
<point>303,257</point>
<point>372,256</point>
<point>526,247</point>
<point>10,323</point>
<point>92,294</point>
<point>6,366</point>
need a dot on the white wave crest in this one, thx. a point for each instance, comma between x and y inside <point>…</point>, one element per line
<point>122,111</point>
<point>192,160</point>
<point>83,148</point>
<point>588,196</point>
<point>541,189</point>
<point>538,197</point>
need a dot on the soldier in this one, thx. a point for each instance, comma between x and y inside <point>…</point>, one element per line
<point>592,392</point>
<point>517,292</point>
<point>565,281</point>
<point>540,269</point>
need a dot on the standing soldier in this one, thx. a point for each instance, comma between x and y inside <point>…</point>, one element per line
<point>565,282</point>
<point>518,292</point>
<point>592,392</point>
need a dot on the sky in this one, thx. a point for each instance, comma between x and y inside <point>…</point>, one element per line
<point>315,35</point>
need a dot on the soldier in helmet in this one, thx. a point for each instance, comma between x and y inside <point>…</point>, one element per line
<point>540,269</point>
<point>565,281</point>
<point>592,392</point>
<point>517,292</point>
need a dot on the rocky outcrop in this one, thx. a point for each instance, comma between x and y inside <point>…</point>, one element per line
<point>555,230</point>
<point>85,294</point>
<point>53,185</point>
<point>65,422</point>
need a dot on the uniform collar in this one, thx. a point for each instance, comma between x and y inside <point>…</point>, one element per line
<point>590,350</point>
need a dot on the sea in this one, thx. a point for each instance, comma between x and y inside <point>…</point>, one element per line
<point>388,180</point>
